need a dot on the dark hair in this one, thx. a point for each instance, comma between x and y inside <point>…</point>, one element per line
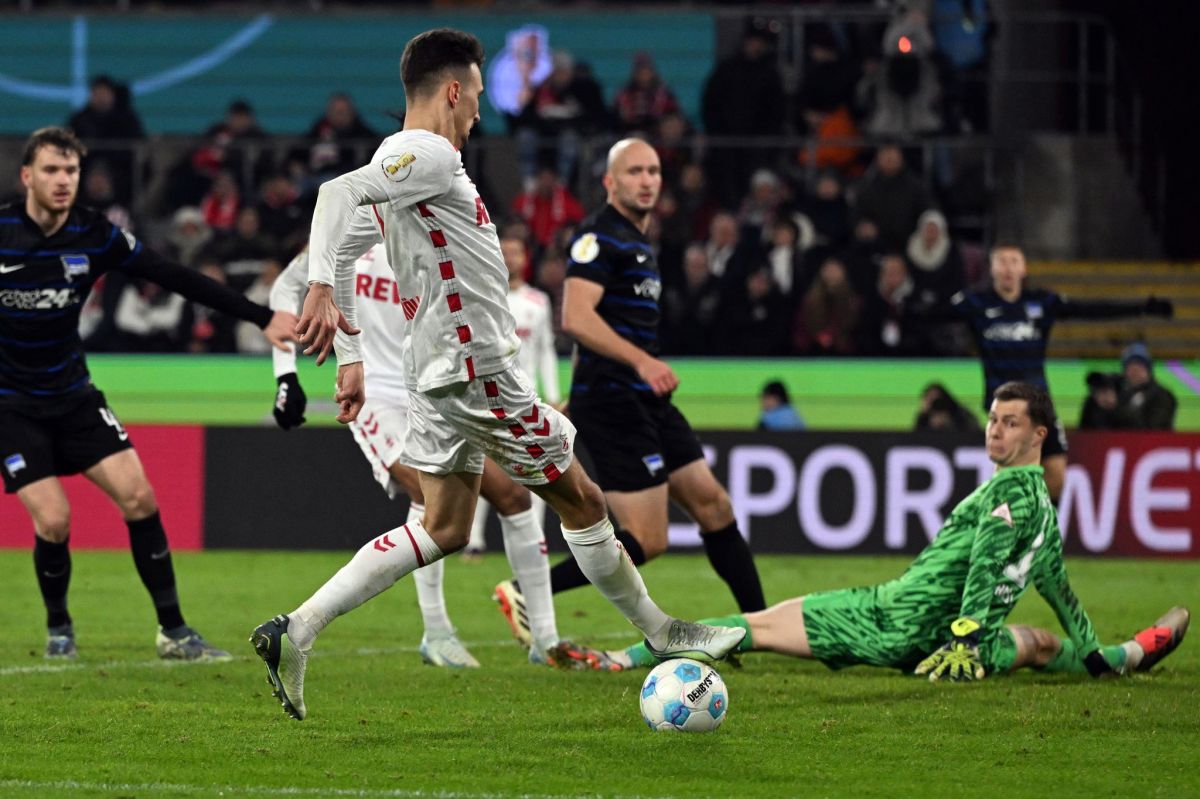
<point>429,54</point>
<point>58,138</point>
<point>1041,409</point>
<point>1004,245</point>
<point>776,389</point>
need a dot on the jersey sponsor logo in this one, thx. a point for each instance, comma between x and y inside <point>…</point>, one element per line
<point>650,287</point>
<point>37,299</point>
<point>75,266</point>
<point>14,464</point>
<point>397,168</point>
<point>993,313</point>
<point>1013,331</point>
<point>6,268</point>
<point>585,249</point>
<point>654,463</point>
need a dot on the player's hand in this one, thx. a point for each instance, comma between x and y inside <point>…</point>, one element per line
<point>661,377</point>
<point>1097,665</point>
<point>319,321</point>
<point>281,330</point>
<point>290,402</point>
<point>350,395</point>
<point>1157,306</point>
<point>958,659</point>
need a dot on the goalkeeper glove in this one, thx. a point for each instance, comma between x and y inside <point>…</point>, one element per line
<point>1156,306</point>
<point>289,402</point>
<point>958,659</point>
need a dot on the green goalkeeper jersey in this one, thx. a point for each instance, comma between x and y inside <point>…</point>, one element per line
<point>997,540</point>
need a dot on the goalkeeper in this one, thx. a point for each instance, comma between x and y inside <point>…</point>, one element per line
<point>944,616</point>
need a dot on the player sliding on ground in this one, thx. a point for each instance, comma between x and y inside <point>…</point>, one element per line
<point>945,615</point>
<point>467,397</point>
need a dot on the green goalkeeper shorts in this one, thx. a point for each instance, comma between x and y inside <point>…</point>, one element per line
<point>851,627</point>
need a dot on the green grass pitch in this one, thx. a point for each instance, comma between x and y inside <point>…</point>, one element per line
<point>118,723</point>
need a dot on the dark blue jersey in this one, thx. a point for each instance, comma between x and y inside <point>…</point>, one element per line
<point>44,281</point>
<point>609,250</point>
<point>1012,336</point>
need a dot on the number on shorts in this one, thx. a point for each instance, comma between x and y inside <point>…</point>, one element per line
<point>112,421</point>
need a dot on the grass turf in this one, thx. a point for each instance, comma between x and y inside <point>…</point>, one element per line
<point>120,723</point>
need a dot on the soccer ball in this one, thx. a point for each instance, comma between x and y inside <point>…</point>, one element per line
<point>684,695</point>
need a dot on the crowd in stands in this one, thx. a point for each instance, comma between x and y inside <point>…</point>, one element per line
<point>765,249</point>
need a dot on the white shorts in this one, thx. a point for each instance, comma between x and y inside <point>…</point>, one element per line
<point>380,432</point>
<point>452,428</point>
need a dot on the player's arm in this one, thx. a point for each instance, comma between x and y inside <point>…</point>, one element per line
<point>995,537</point>
<point>1114,309</point>
<point>287,293</point>
<point>583,323</point>
<point>401,178</point>
<point>139,261</point>
<point>547,358</point>
<point>1050,580</point>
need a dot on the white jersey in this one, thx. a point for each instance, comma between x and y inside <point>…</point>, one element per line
<point>449,272</point>
<point>379,314</point>
<point>535,328</point>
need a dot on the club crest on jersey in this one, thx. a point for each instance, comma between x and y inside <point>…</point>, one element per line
<point>397,168</point>
<point>75,266</point>
<point>654,463</point>
<point>585,249</point>
<point>14,464</point>
<point>1034,310</point>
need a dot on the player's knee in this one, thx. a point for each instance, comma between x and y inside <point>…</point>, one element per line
<point>1047,645</point>
<point>54,525</point>
<point>511,499</point>
<point>653,547</point>
<point>714,510</point>
<point>138,502</point>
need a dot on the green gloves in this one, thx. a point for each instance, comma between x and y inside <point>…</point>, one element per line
<point>958,659</point>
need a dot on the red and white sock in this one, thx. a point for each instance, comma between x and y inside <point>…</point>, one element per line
<point>603,561</point>
<point>429,580</point>
<point>373,569</point>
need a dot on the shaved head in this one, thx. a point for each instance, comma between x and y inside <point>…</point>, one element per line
<point>633,180</point>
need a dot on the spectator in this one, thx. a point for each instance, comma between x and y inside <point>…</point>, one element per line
<point>644,100</point>
<point>246,254</point>
<point>743,97</point>
<point>785,258</point>
<point>564,108</point>
<point>212,331</point>
<point>690,310</point>
<point>188,236</point>
<point>336,138</point>
<point>937,264</point>
<point>826,208</point>
<point>99,193</point>
<point>833,132</point>
<point>675,153</point>
<point>756,318</point>
<point>882,330</point>
<point>892,197</point>
<point>108,116</point>
<point>731,256</point>
<point>547,207</point>
<point>1143,404</point>
<point>940,411</point>
<point>1100,407</point>
<point>761,207</point>
<point>237,144</point>
<point>829,75</point>
<point>777,410</point>
<point>906,91</point>
<point>696,206</point>
<point>551,274</point>
<point>220,206</point>
<point>149,318</point>
<point>282,215</point>
<point>828,313</point>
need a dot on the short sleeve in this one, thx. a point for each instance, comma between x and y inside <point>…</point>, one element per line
<point>589,260</point>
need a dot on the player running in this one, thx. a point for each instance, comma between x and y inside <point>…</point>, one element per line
<point>945,615</point>
<point>1011,326</point>
<point>380,431</point>
<point>467,397</point>
<point>53,420</point>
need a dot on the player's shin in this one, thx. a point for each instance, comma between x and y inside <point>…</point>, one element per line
<point>373,569</point>
<point>525,545</point>
<point>152,557</point>
<point>730,557</point>
<point>52,561</point>
<point>1071,661</point>
<point>608,568</point>
<point>429,581</point>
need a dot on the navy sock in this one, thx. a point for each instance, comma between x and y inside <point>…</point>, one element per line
<point>152,557</point>
<point>52,562</point>
<point>730,557</point>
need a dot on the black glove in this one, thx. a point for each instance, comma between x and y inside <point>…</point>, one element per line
<point>289,402</point>
<point>1096,664</point>
<point>1156,306</point>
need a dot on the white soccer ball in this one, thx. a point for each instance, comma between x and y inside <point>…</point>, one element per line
<point>684,695</point>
